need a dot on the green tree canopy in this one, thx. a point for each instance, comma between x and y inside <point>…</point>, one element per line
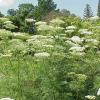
<point>98,12</point>
<point>88,11</point>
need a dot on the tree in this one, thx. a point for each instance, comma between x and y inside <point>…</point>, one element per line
<point>11,12</point>
<point>45,6</point>
<point>98,13</point>
<point>24,11</point>
<point>30,11</point>
<point>88,11</point>
<point>1,15</point>
<point>65,12</point>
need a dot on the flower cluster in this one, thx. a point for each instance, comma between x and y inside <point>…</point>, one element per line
<point>6,99</point>
<point>90,97</point>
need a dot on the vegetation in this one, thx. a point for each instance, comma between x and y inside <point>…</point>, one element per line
<point>98,13</point>
<point>49,58</point>
<point>88,11</point>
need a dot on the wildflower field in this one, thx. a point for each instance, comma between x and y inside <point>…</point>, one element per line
<point>61,61</point>
<point>49,50</point>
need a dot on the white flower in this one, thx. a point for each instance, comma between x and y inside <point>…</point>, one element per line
<point>57,22</point>
<point>71,43</point>
<point>94,18</point>
<point>77,48</point>
<point>18,34</point>
<point>6,99</point>
<point>92,41</point>
<point>38,37</point>
<point>8,22</point>
<point>90,97</point>
<point>71,28</point>
<point>76,39</point>
<point>48,46</point>
<point>42,55</point>
<point>45,28</point>
<point>98,92</point>
<point>5,55</point>
<point>3,19</point>
<point>85,31</point>
<point>59,28</point>
<point>69,31</point>
<point>77,53</point>
<point>98,27</point>
<point>40,23</point>
<point>30,20</point>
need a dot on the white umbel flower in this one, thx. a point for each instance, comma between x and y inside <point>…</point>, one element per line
<point>77,48</point>
<point>57,22</point>
<point>8,22</point>
<point>6,99</point>
<point>45,28</point>
<point>77,53</point>
<point>98,27</point>
<point>69,31</point>
<point>30,20</point>
<point>38,37</point>
<point>98,92</point>
<point>18,34</point>
<point>40,23</point>
<point>85,31</point>
<point>71,28</point>
<point>94,41</point>
<point>5,55</point>
<point>71,43</point>
<point>76,39</point>
<point>90,97</point>
<point>42,55</point>
<point>48,46</point>
<point>94,18</point>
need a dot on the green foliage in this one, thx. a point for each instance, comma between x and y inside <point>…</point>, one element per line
<point>11,12</point>
<point>45,6</point>
<point>54,64</point>
<point>88,11</point>
<point>98,12</point>
<point>57,58</point>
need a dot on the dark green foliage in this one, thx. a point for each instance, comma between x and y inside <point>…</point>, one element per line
<point>11,12</point>
<point>29,11</point>
<point>44,7</point>
<point>1,15</point>
<point>22,13</point>
<point>98,12</point>
<point>88,11</point>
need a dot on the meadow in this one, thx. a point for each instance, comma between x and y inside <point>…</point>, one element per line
<point>61,61</point>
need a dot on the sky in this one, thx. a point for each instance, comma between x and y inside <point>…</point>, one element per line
<point>75,6</point>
